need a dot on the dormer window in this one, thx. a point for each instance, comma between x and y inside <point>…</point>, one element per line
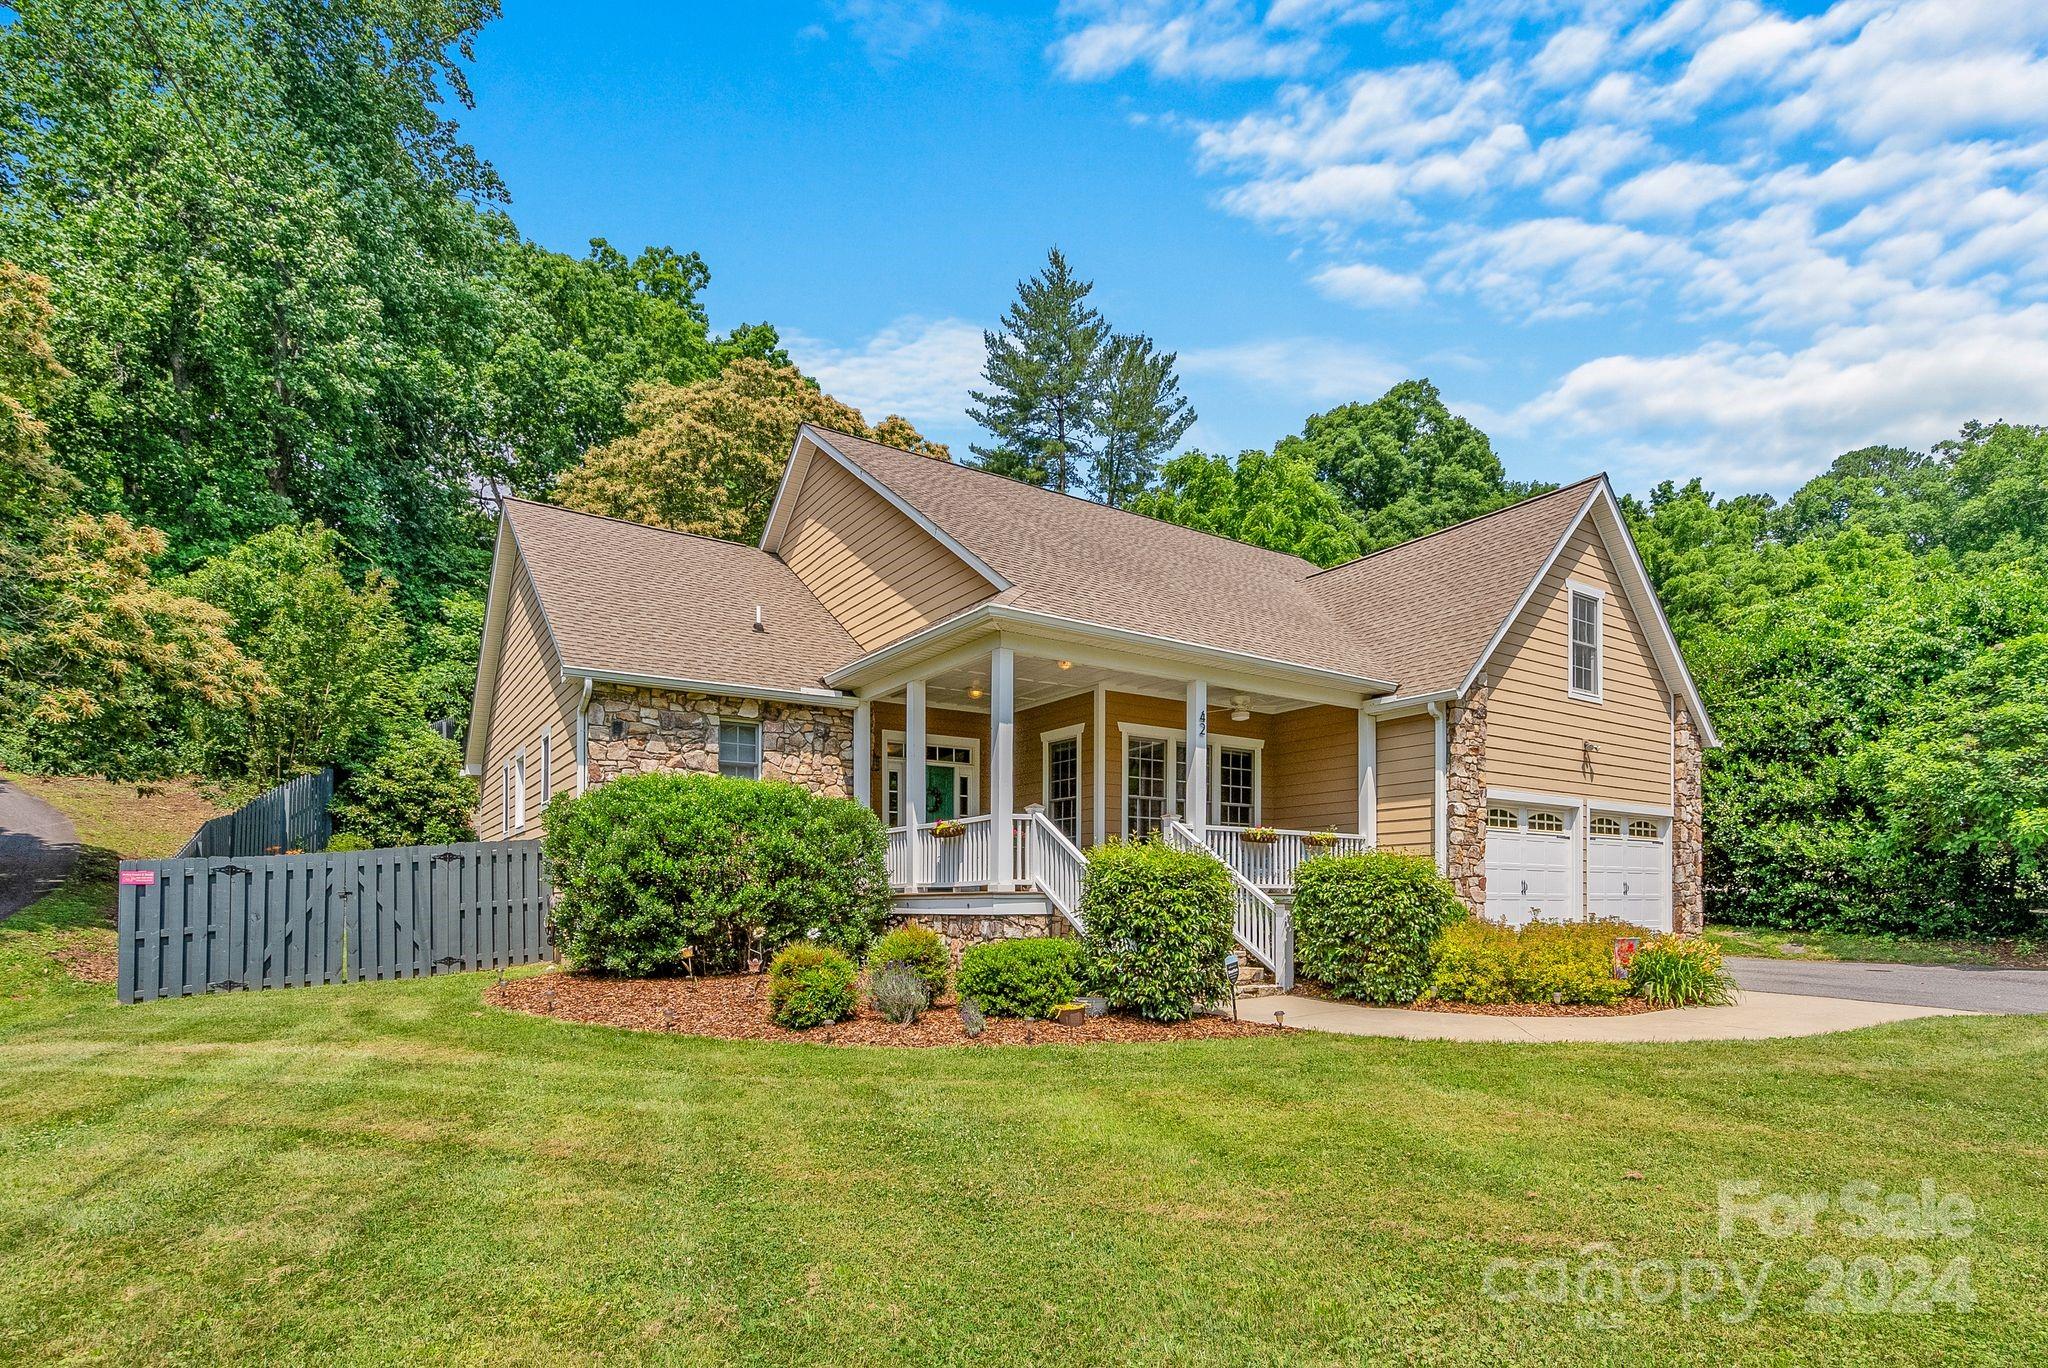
<point>1585,670</point>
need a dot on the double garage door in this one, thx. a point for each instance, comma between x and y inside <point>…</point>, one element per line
<point>1553,862</point>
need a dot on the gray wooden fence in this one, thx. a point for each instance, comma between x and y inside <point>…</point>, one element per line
<point>292,816</point>
<point>292,921</point>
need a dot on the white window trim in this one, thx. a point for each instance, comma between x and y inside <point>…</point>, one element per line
<point>1046,741</point>
<point>760,741</point>
<point>1217,741</point>
<point>515,780</point>
<point>547,765</point>
<point>972,767</point>
<point>1573,590</point>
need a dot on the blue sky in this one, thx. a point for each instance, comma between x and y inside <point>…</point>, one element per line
<point>1660,239</point>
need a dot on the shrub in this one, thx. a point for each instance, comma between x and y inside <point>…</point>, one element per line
<point>649,865</point>
<point>1021,978</point>
<point>898,992</point>
<point>412,792</point>
<point>1679,971</point>
<point>1365,926</point>
<point>810,985</point>
<point>918,949</point>
<point>972,1020</point>
<point>1158,927</point>
<point>1485,962</point>
<point>347,843</point>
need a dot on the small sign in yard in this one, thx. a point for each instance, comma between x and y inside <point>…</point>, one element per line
<point>1625,954</point>
<point>138,878</point>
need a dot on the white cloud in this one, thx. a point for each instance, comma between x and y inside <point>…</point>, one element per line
<point>1215,39</point>
<point>1570,55</point>
<point>892,29</point>
<point>1315,370</point>
<point>1369,286</point>
<point>920,368</point>
<point>1673,192</point>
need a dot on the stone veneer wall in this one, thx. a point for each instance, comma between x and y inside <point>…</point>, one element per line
<point>1465,797</point>
<point>665,730</point>
<point>1688,838</point>
<point>963,931</point>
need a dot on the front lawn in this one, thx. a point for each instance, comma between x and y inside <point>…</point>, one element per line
<point>1770,942</point>
<point>391,1171</point>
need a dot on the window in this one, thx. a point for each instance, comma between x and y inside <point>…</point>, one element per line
<point>892,798</point>
<point>1606,826</point>
<point>547,765</point>
<point>739,749</point>
<point>1643,831</point>
<point>1236,786</point>
<point>515,793</point>
<point>1144,786</point>
<point>1585,669</point>
<point>1546,821</point>
<point>1063,786</point>
<point>1501,819</point>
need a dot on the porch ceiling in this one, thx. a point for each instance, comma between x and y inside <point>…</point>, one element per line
<point>1040,680</point>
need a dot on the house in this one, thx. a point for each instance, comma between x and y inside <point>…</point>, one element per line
<point>1042,673</point>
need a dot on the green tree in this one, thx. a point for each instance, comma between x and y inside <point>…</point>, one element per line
<point>412,792</point>
<point>444,655</point>
<point>334,650</point>
<point>1405,463</point>
<point>1143,417</point>
<point>33,489</point>
<point>1272,501</point>
<point>707,457</point>
<point>271,253</point>
<point>1044,378</point>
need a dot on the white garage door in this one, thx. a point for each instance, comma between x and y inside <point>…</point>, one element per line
<point>1628,869</point>
<point>1529,863</point>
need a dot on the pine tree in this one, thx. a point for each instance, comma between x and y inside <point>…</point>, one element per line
<point>1142,418</point>
<point>1045,376</point>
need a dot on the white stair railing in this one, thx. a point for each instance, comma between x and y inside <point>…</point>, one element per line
<point>899,856</point>
<point>966,859</point>
<point>1047,859</point>
<point>1261,925</point>
<point>1271,864</point>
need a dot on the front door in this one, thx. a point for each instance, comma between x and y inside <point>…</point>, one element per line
<point>941,784</point>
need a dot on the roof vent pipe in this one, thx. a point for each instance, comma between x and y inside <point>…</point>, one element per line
<point>758,626</point>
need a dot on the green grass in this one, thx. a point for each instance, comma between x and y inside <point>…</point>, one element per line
<point>394,1171</point>
<point>1769,942</point>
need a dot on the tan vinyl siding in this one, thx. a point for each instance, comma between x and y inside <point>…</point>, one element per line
<point>529,696</point>
<point>1536,732</point>
<point>1406,774</point>
<point>1172,714</point>
<point>1032,725</point>
<point>1311,776</point>
<point>874,569</point>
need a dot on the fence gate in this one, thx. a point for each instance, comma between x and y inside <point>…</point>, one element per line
<point>191,926</point>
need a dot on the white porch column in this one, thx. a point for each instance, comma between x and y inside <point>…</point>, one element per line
<point>1195,802</point>
<point>913,775</point>
<point>1368,776</point>
<point>1002,760</point>
<point>1100,787</point>
<point>863,754</point>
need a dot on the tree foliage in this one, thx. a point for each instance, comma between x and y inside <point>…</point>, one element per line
<point>1269,500</point>
<point>707,457</point>
<point>412,792</point>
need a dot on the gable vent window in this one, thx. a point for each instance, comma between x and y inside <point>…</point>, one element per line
<point>1585,666</point>
<point>739,750</point>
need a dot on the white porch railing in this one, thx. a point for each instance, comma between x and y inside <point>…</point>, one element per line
<point>1271,864</point>
<point>966,859</point>
<point>1046,858</point>
<point>1261,925</point>
<point>899,856</point>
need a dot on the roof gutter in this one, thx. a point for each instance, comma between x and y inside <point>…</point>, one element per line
<point>998,613</point>
<point>830,698</point>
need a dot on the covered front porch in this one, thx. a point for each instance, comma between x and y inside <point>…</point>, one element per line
<point>995,764</point>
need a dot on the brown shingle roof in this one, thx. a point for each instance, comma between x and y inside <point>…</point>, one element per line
<point>1082,560</point>
<point>623,598</point>
<point>1423,611</point>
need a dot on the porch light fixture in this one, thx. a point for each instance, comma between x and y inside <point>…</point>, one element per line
<point>1066,664</point>
<point>974,693</point>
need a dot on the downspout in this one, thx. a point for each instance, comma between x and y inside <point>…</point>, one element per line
<point>583,737</point>
<point>1439,823</point>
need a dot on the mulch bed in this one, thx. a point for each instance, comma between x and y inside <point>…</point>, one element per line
<point>736,1008</point>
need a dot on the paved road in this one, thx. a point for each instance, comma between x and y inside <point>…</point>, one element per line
<point>1922,985</point>
<point>37,849</point>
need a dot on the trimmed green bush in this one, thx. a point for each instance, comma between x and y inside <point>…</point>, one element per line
<point>347,843</point>
<point>1030,977</point>
<point>1680,971</point>
<point>1484,962</point>
<point>810,985</point>
<point>918,949</point>
<point>1158,928</point>
<point>411,792</point>
<point>1365,926</point>
<point>647,866</point>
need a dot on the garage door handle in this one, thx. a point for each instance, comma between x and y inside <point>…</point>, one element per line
<point>1525,888</point>
<point>1624,889</point>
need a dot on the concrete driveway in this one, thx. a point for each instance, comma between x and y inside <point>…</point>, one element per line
<point>1957,987</point>
<point>37,848</point>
